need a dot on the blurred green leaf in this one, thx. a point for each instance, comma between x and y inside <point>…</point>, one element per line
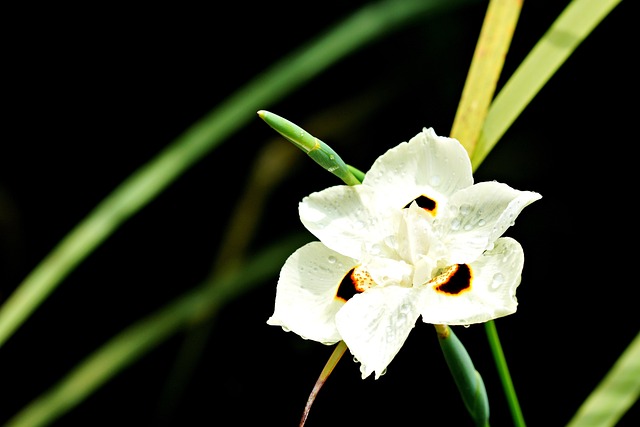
<point>616,393</point>
<point>133,342</point>
<point>362,27</point>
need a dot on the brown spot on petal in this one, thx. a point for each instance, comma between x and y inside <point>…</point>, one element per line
<point>454,280</point>
<point>354,282</point>
<point>426,203</point>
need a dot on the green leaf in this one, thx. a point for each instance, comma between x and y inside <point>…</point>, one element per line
<point>573,25</point>
<point>292,71</point>
<point>615,394</point>
<point>487,62</point>
<point>139,338</point>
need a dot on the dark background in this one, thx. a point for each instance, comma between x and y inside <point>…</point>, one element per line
<point>92,93</point>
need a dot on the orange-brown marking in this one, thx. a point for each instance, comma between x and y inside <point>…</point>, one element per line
<point>454,280</point>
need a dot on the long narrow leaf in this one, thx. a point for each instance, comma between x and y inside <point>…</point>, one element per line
<point>488,59</point>
<point>615,394</point>
<point>138,339</point>
<point>572,26</point>
<point>364,26</point>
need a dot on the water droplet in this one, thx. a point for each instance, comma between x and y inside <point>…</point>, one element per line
<point>390,241</point>
<point>384,371</point>
<point>498,280</point>
<point>455,224</point>
<point>355,360</point>
<point>466,326</point>
<point>482,222</point>
<point>468,227</point>
<point>435,180</point>
<point>401,319</point>
<point>465,209</point>
<point>331,259</point>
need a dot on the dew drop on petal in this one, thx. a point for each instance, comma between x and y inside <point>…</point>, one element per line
<point>482,222</point>
<point>468,227</point>
<point>455,224</point>
<point>390,241</point>
<point>355,359</point>
<point>331,259</point>
<point>466,326</point>
<point>498,280</point>
<point>465,209</point>
<point>401,319</point>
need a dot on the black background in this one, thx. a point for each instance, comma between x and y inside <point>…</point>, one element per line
<point>91,93</point>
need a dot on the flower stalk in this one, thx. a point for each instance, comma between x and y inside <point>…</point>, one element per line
<point>335,357</point>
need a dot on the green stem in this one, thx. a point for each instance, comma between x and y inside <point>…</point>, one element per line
<point>503,372</point>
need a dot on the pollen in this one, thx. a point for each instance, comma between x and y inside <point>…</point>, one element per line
<point>453,280</point>
<point>361,279</point>
<point>354,282</point>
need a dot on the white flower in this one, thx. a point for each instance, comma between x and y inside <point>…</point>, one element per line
<point>417,238</point>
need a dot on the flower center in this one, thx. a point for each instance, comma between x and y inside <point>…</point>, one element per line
<point>453,280</point>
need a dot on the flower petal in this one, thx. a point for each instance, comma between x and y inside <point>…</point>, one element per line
<point>375,325</point>
<point>345,218</point>
<point>428,165</point>
<point>477,216</point>
<point>306,301</point>
<point>415,234</point>
<point>494,279</point>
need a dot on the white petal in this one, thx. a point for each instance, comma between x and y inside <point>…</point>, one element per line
<point>388,271</point>
<point>415,234</point>
<point>345,218</point>
<point>496,275</point>
<point>306,301</point>
<point>375,325</point>
<point>478,215</point>
<point>429,165</point>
